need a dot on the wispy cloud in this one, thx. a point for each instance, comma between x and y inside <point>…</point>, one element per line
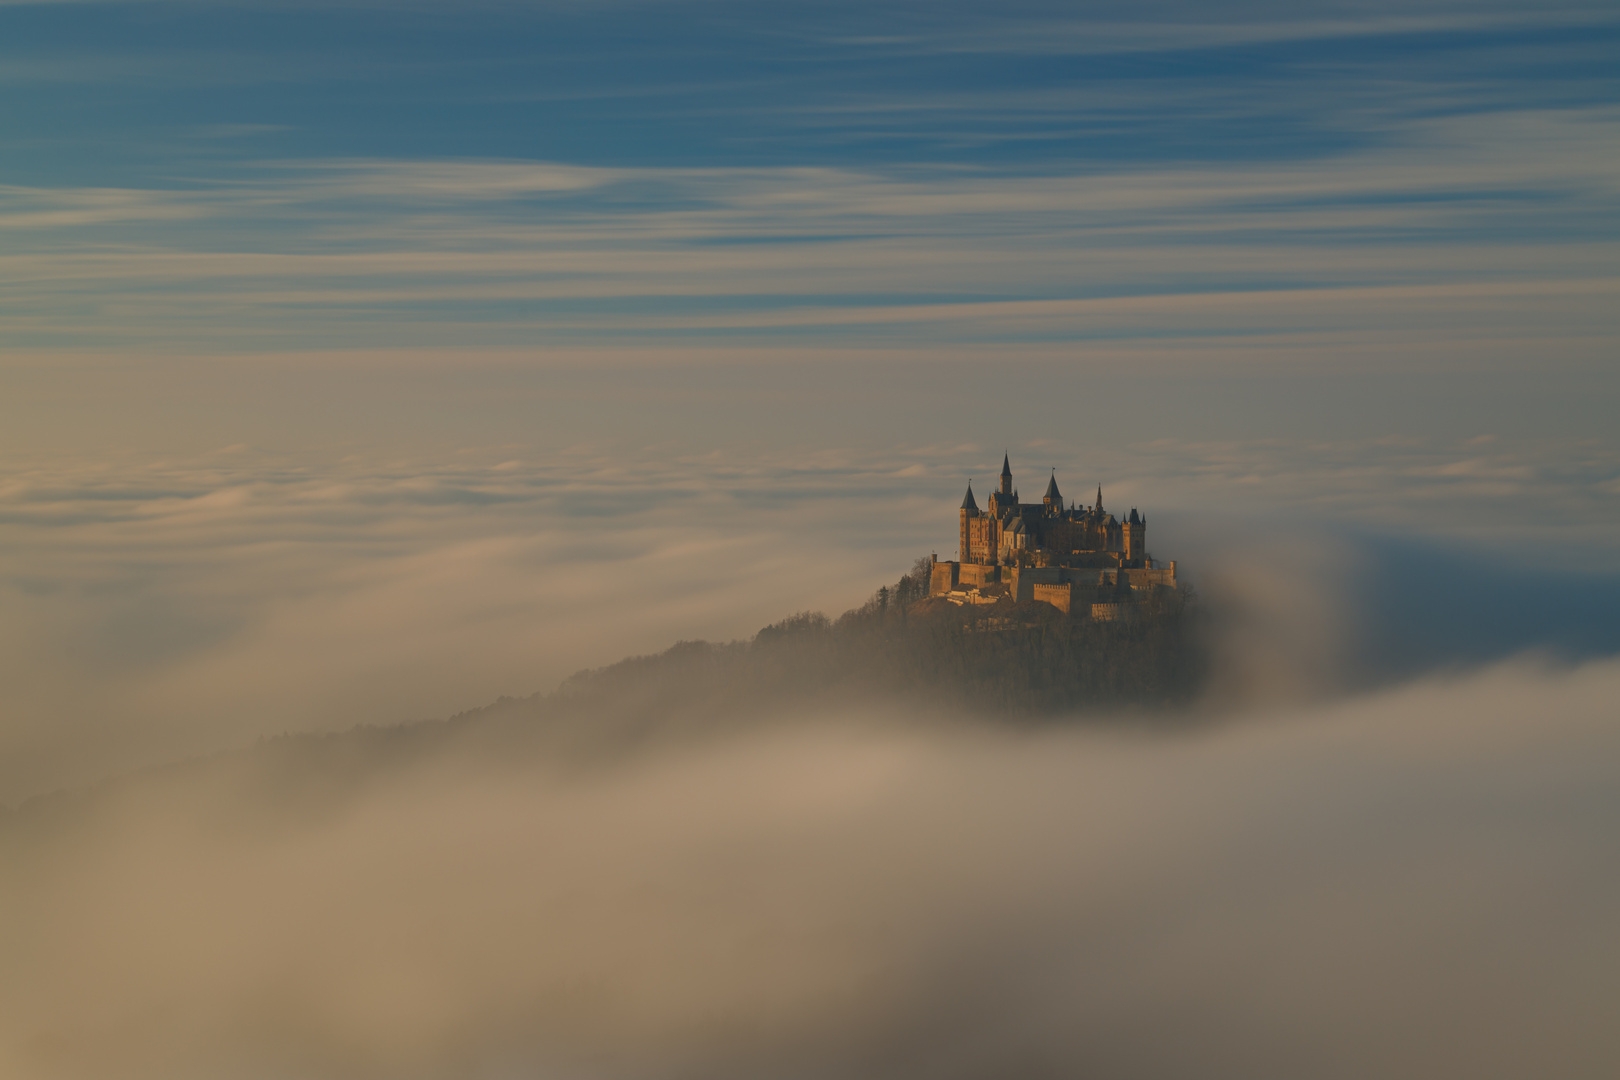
<point>1409,230</point>
<point>1194,28</point>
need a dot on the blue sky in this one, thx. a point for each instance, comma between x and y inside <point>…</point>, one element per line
<point>480,199</point>
<point>247,178</point>
<point>162,93</point>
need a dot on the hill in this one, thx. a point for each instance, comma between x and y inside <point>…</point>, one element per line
<point>1007,662</point>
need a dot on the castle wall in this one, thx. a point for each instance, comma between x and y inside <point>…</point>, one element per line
<point>1091,586</point>
<point>1092,577</point>
<point>1070,589</point>
<point>949,576</point>
<point>978,574</point>
<point>1148,579</point>
<point>1090,560</point>
<point>1021,580</point>
<point>1059,595</point>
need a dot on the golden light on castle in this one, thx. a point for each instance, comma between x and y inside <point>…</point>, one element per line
<point>1080,559</point>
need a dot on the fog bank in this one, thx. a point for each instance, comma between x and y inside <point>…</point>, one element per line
<point>1415,883</point>
<point>153,609</point>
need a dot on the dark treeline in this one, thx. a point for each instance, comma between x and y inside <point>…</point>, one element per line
<point>1005,659</point>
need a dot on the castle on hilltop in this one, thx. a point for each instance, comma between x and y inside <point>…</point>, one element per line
<point>1080,559</point>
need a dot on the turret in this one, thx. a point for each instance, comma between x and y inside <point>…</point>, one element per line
<point>970,510</point>
<point>1052,500</point>
<point>1135,536</point>
<point>1006,475</point>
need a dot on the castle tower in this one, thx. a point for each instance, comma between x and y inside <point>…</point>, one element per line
<point>970,509</point>
<point>1006,476</point>
<point>1052,500</point>
<point>1135,536</point>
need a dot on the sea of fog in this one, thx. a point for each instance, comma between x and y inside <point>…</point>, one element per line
<point>1383,848</point>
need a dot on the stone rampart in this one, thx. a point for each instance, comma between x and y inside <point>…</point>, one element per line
<point>1021,580</point>
<point>1059,595</point>
<point>1149,579</point>
<point>979,574</point>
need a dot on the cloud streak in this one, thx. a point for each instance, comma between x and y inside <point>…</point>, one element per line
<point>1196,31</point>
<point>480,252</point>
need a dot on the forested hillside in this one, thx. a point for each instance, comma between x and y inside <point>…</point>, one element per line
<point>1008,662</point>
<point>1011,659</point>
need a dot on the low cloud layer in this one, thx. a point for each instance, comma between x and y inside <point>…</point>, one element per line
<point>155,608</point>
<point>1410,884</point>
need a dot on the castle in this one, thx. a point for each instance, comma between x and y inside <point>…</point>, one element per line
<point>1080,559</point>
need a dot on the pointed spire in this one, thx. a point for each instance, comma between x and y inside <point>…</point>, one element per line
<point>1006,465</point>
<point>969,503</point>
<point>1052,490</point>
<point>1099,498</point>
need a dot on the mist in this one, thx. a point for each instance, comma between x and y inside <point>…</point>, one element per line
<point>1377,841</point>
<point>153,609</point>
<point>1414,882</point>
